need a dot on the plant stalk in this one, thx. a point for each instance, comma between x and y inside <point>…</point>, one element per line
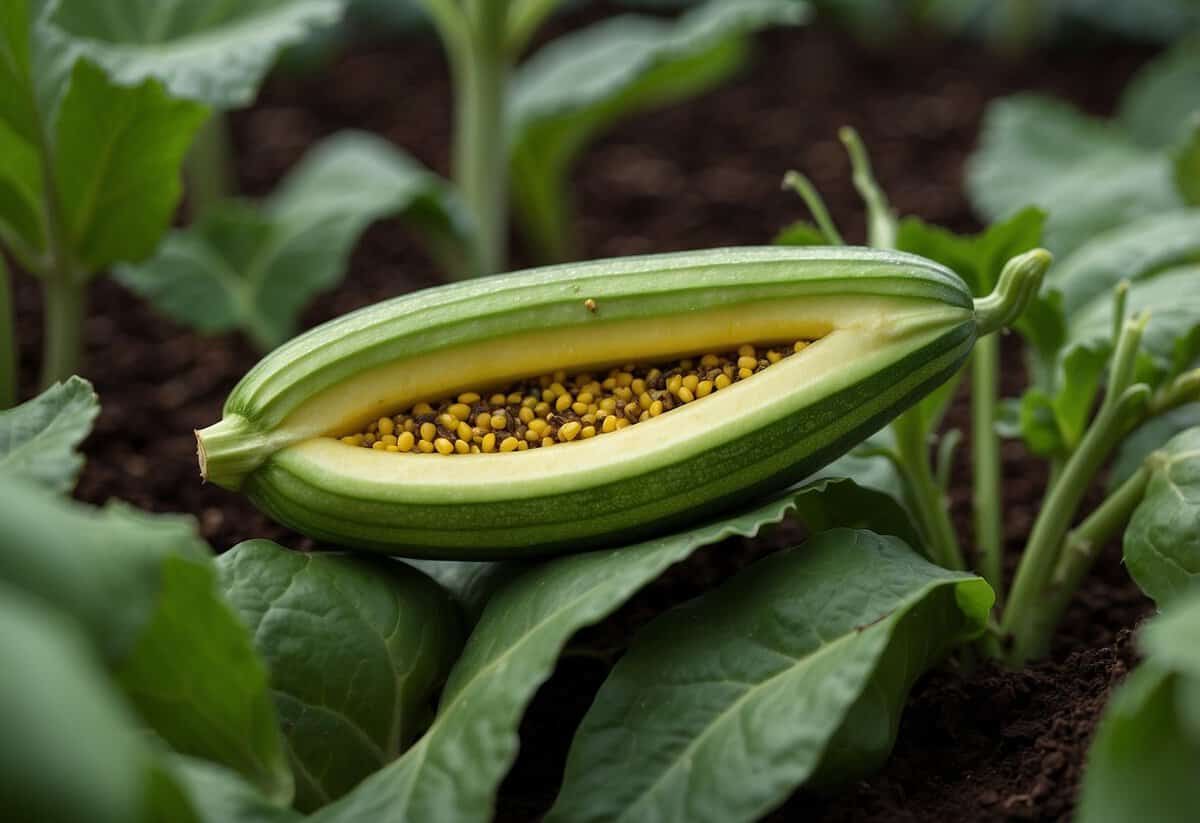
<point>925,495</point>
<point>985,448</point>
<point>8,341</point>
<point>63,312</point>
<point>209,167</point>
<point>481,76</point>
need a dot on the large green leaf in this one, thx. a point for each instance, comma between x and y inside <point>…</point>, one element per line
<point>583,82</point>
<point>255,268</point>
<point>39,439</point>
<point>1157,106</point>
<point>1162,542</point>
<point>453,771</point>
<point>357,648</point>
<point>72,750</point>
<point>213,51</point>
<point>796,669</point>
<point>1145,757</point>
<point>1151,435</point>
<point>1086,174</point>
<point>144,590</point>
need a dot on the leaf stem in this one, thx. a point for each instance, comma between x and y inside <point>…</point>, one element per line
<point>1122,407</point>
<point>881,220</point>
<point>926,497</point>
<point>8,340</point>
<point>209,166</point>
<point>800,184</point>
<point>985,452</point>
<point>63,312</point>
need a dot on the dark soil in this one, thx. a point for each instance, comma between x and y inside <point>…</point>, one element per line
<point>993,745</point>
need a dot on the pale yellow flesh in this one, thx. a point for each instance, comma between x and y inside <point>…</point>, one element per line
<point>865,335</point>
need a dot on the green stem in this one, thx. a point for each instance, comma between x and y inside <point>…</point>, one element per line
<point>882,224</point>
<point>65,300</point>
<point>209,167</point>
<point>985,452</point>
<point>800,184</point>
<point>8,341</point>
<point>1083,544</point>
<point>1058,510</point>
<point>481,76</point>
<point>925,495</point>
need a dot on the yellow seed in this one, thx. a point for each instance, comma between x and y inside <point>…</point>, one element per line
<point>379,445</point>
<point>548,441</point>
<point>484,421</point>
<point>514,398</point>
<point>690,382</point>
<point>745,351</point>
<point>644,400</point>
<point>422,409</point>
<point>538,425</point>
<point>608,404</point>
<point>468,398</point>
<point>609,384</point>
<point>489,442</point>
<point>496,400</point>
<point>542,409</point>
<point>410,425</point>
<point>386,425</point>
<point>388,440</point>
<point>747,362</point>
<point>579,408</point>
<point>801,345</point>
<point>557,388</point>
<point>638,385</point>
<point>774,356</point>
<point>569,431</point>
<point>532,436</point>
<point>460,410</point>
<point>656,408</point>
<point>353,440</point>
<point>632,410</point>
<point>674,382</point>
<point>499,421</point>
<point>623,393</point>
<point>588,431</point>
<point>722,381</point>
<point>685,394</point>
<point>609,425</point>
<point>622,423</point>
<point>373,428</point>
<point>744,373</point>
<point>462,446</point>
<point>510,444</point>
<point>447,421</point>
<point>428,432</point>
<point>587,419</point>
<point>368,439</point>
<point>474,450</point>
<point>585,397</point>
<point>704,388</point>
<point>405,442</point>
<point>710,361</point>
<point>562,403</point>
<point>522,445</point>
<point>526,414</point>
<point>392,449</point>
<point>464,431</point>
<point>560,376</point>
<point>425,446</point>
<point>624,379</point>
<point>443,445</point>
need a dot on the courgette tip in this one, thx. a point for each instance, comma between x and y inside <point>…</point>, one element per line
<point>1019,282</point>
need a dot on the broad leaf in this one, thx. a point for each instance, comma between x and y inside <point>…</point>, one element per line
<point>1086,174</point>
<point>357,648</point>
<point>73,751</point>
<point>1144,759</point>
<point>583,82</point>
<point>471,583</point>
<point>208,50</point>
<point>453,771</point>
<point>219,795</point>
<point>840,502</point>
<point>1151,435</point>
<point>1156,107</point>
<point>39,439</point>
<point>255,268</point>
<point>144,588</point>
<point>796,669</point>
<point>1162,541</point>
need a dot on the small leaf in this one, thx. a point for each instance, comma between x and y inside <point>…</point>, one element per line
<point>1157,105</point>
<point>1145,756</point>
<point>39,439</point>
<point>207,50</point>
<point>800,233</point>
<point>1162,542</point>
<point>840,502</point>
<point>452,773</point>
<point>73,749</point>
<point>796,669</point>
<point>117,157</point>
<point>1151,435</point>
<point>221,796</point>
<point>256,268</point>
<point>585,81</point>
<point>1086,174</point>
<point>357,648</point>
<point>144,587</point>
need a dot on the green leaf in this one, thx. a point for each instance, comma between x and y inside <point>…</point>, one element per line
<point>1162,542</point>
<point>840,502</point>
<point>39,439</point>
<point>1157,106</point>
<point>1186,160</point>
<point>73,749</point>
<point>1134,252</point>
<point>357,648</point>
<point>222,796</point>
<point>1086,174</point>
<point>143,588</point>
<point>583,82</point>
<point>117,156</point>
<point>1151,435</point>
<point>213,51</point>
<point>800,233</point>
<point>795,670</point>
<point>453,771</point>
<point>977,259</point>
<point>1145,756</point>
<point>471,583</point>
<point>255,268</point>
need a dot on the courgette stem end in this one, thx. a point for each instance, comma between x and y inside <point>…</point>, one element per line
<point>1019,283</point>
<point>231,449</point>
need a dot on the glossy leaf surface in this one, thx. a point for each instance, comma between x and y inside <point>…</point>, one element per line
<point>39,439</point>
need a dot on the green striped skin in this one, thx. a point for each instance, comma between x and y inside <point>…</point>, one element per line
<point>618,498</point>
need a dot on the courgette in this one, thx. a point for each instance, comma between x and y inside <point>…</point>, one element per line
<point>872,332</point>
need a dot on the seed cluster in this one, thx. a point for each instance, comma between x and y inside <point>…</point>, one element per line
<point>553,408</point>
